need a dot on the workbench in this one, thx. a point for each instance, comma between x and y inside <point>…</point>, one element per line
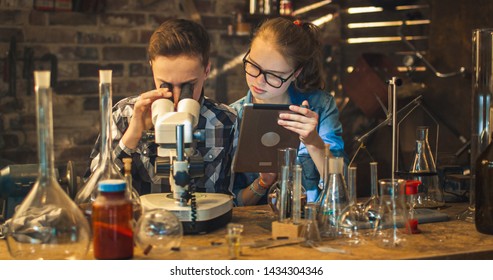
<point>452,239</point>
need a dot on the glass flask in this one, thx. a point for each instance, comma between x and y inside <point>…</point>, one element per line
<point>106,168</point>
<point>286,157</point>
<point>392,213</point>
<point>430,193</point>
<point>157,232</point>
<point>334,200</point>
<point>47,224</point>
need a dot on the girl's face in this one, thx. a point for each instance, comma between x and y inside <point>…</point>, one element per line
<point>264,57</point>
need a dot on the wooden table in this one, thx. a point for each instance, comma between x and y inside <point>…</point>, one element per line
<point>444,240</point>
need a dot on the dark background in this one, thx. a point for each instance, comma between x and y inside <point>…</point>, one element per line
<point>75,38</point>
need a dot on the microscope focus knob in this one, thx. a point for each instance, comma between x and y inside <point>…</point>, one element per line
<point>162,167</point>
<point>197,168</point>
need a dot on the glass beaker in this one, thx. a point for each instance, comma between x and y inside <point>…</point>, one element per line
<point>286,157</point>
<point>430,193</point>
<point>47,224</point>
<point>106,168</point>
<point>310,231</point>
<point>392,213</point>
<point>333,201</point>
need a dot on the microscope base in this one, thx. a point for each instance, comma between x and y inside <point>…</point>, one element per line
<point>213,210</point>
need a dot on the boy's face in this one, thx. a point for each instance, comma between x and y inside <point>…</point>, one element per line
<point>179,70</point>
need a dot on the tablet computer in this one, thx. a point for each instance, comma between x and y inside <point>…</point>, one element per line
<point>261,137</point>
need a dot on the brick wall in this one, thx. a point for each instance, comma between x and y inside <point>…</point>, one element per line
<point>80,43</point>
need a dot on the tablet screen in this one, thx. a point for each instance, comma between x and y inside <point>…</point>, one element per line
<point>261,137</point>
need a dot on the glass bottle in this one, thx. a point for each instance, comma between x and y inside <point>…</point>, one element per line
<point>112,222</point>
<point>483,216</point>
<point>106,168</point>
<point>47,224</point>
<point>430,194</point>
<point>333,201</point>
<point>136,204</point>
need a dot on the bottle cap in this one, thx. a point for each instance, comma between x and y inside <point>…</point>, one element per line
<point>112,185</point>
<point>412,186</point>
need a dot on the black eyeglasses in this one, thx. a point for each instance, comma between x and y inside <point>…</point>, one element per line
<point>272,79</point>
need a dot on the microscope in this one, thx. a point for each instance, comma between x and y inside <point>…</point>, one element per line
<point>177,160</point>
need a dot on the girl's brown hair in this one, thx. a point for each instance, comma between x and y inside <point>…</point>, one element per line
<point>300,43</point>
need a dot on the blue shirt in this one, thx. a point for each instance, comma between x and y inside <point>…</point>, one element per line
<point>329,129</point>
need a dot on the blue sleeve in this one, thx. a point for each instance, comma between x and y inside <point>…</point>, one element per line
<point>330,128</point>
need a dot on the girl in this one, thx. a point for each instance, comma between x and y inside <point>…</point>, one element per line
<point>284,66</point>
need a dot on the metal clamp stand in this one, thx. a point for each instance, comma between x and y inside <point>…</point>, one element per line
<point>419,104</point>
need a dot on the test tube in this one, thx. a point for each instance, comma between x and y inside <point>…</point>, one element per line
<point>296,205</point>
<point>352,184</point>
<point>374,178</point>
<point>284,193</point>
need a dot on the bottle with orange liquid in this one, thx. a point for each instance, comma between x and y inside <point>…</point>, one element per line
<point>112,222</point>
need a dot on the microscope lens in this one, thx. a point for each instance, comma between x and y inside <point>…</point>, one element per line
<point>186,91</point>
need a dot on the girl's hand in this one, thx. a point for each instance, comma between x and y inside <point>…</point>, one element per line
<point>268,178</point>
<point>304,123</point>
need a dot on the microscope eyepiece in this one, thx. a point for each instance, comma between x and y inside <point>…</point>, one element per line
<point>186,91</point>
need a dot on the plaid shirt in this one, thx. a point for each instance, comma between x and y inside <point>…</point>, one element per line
<point>219,123</point>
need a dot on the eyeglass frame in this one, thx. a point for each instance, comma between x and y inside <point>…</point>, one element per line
<point>283,80</point>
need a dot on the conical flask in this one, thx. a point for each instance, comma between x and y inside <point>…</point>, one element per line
<point>430,194</point>
<point>106,168</point>
<point>333,201</point>
<point>48,224</point>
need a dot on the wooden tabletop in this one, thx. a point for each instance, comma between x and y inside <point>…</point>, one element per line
<point>453,239</point>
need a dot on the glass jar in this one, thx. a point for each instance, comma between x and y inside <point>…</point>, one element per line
<point>112,222</point>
